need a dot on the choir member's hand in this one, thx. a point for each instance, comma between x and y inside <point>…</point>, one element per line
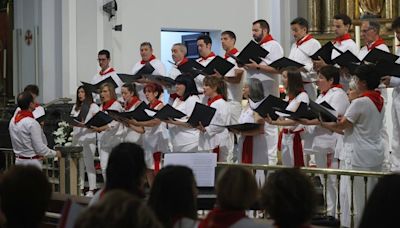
<point>58,154</point>
<point>133,122</point>
<point>96,129</point>
<point>234,131</point>
<point>319,63</point>
<point>201,127</point>
<point>386,80</point>
<point>268,119</point>
<point>217,74</point>
<point>304,122</point>
<point>252,65</point>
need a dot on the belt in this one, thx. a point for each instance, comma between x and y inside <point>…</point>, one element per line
<point>287,131</point>
<point>29,158</point>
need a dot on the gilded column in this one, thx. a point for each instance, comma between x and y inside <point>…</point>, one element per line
<point>314,15</point>
<point>391,7</point>
<point>329,9</point>
<point>350,8</point>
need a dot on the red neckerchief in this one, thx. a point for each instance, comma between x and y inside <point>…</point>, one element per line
<point>211,100</point>
<point>108,104</point>
<point>378,42</point>
<point>266,39</point>
<point>154,104</point>
<point>220,218</point>
<point>184,60</point>
<point>133,101</point>
<point>212,54</point>
<point>22,114</point>
<point>304,39</point>
<point>340,39</point>
<point>109,70</point>
<point>375,97</point>
<point>340,86</point>
<point>231,52</point>
<point>152,57</point>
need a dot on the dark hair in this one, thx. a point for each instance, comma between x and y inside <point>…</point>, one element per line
<point>24,99</point>
<point>34,89</point>
<point>25,193</point>
<point>263,24</point>
<point>295,83</point>
<point>88,97</point>
<point>153,87</point>
<point>126,169</point>
<point>381,209</point>
<point>330,72</point>
<point>289,198</point>
<point>173,195</point>
<point>146,44</point>
<point>369,74</point>
<point>300,21</point>
<point>341,16</point>
<point>218,83</point>
<point>105,52</point>
<point>117,209</point>
<point>206,38</point>
<point>396,23</point>
<point>236,188</point>
<point>131,88</point>
<point>229,33</point>
<point>190,85</point>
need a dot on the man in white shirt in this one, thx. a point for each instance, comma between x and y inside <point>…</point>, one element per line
<point>106,71</point>
<point>179,52</point>
<point>301,50</point>
<point>394,82</point>
<point>146,53</point>
<point>26,135</point>
<point>370,34</point>
<point>268,76</point>
<point>204,44</point>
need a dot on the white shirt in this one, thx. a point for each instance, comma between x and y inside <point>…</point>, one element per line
<point>367,149</point>
<point>113,134</point>
<point>131,135</point>
<point>301,54</point>
<point>154,139</point>
<point>294,105</point>
<point>27,140</point>
<point>364,50</point>
<point>81,134</point>
<point>199,79</point>
<point>270,82</point>
<point>182,136</point>
<point>235,90</point>
<point>215,135</point>
<point>111,73</point>
<point>344,46</point>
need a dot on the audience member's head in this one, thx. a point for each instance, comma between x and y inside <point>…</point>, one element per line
<point>118,209</point>
<point>126,169</point>
<point>289,198</point>
<point>25,193</point>
<point>236,189</point>
<point>173,195</point>
<point>381,209</point>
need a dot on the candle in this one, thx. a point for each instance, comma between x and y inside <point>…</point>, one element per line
<point>357,31</point>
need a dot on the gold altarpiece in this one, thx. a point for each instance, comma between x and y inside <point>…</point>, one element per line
<point>320,15</point>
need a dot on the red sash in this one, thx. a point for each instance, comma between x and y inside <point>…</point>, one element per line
<point>297,147</point>
<point>375,97</point>
<point>157,161</point>
<point>247,150</point>
<point>219,218</point>
<point>22,114</point>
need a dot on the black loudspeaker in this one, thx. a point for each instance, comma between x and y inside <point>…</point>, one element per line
<point>110,8</point>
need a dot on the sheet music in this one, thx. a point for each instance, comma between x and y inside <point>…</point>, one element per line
<point>202,164</point>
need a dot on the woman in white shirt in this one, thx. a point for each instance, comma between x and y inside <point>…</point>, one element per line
<point>184,138</point>
<point>110,135</point>
<point>84,109</point>
<point>361,126</point>
<point>214,137</point>
<point>132,133</point>
<point>291,140</point>
<point>154,140</point>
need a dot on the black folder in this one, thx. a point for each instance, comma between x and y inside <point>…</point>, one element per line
<point>73,121</point>
<point>388,69</point>
<point>266,107</point>
<point>252,51</point>
<point>95,88</point>
<point>191,67</point>
<point>376,55</point>
<point>99,119</point>
<point>285,62</point>
<point>129,78</point>
<point>323,111</point>
<point>219,64</point>
<point>348,60</point>
<point>138,114</point>
<point>201,113</point>
<point>325,52</point>
<point>168,112</point>
<point>146,69</point>
<point>244,127</point>
<point>167,81</point>
<point>302,112</point>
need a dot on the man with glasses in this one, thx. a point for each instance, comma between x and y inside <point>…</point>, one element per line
<point>370,35</point>
<point>106,71</point>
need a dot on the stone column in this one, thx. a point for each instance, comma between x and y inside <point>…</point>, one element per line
<point>329,9</point>
<point>314,15</point>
